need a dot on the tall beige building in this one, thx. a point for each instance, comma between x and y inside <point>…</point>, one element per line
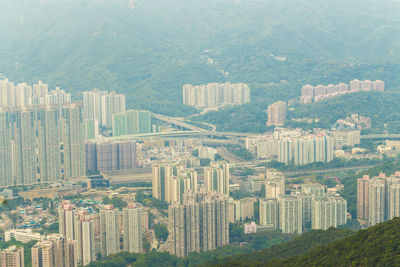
<point>362,199</point>
<point>66,219</point>
<point>74,142</point>
<point>214,95</point>
<point>171,180</point>
<point>274,184</point>
<point>290,214</point>
<point>12,257</point>
<point>346,138</point>
<point>276,114</point>
<point>43,254</point>
<point>132,226</point>
<point>217,177</point>
<point>101,105</point>
<point>329,211</point>
<point>55,251</point>
<point>85,239</point>
<point>109,230</point>
<point>199,224</point>
<point>269,213</point>
<point>376,201</point>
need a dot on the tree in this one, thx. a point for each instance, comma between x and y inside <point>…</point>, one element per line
<point>161,232</point>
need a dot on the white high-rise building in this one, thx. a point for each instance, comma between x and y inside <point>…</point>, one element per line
<point>84,235</point>
<point>109,230</point>
<point>328,212</point>
<point>217,177</point>
<point>376,201</point>
<point>132,226</point>
<point>101,105</point>
<point>269,213</point>
<point>290,214</point>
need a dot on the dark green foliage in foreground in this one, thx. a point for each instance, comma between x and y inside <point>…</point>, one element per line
<point>375,246</point>
<point>297,246</point>
<point>233,253</point>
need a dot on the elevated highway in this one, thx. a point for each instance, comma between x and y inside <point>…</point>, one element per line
<point>380,136</point>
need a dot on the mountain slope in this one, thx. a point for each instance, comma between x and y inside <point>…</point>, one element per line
<point>375,246</point>
<point>148,48</point>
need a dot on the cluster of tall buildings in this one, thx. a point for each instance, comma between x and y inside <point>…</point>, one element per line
<point>24,95</point>
<point>170,181</point>
<point>214,95</point>
<point>101,233</point>
<point>292,147</point>
<point>311,93</point>
<point>276,114</point>
<point>378,198</point>
<point>41,144</point>
<point>131,122</point>
<point>199,224</point>
<point>310,207</point>
<point>100,106</point>
<point>12,257</point>
<point>110,156</point>
<point>56,250</point>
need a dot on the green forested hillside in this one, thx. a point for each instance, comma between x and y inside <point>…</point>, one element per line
<point>382,108</point>
<point>148,48</point>
<point>375,246</point>
<point>296,246</point>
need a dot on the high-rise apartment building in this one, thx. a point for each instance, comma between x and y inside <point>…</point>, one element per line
<point>274,184</point>
<point>91,129</point>
<point>214,95</point>
<point>66,220</point>
<point>109,230</point>
<point>346,138</point>
<point>131,122</point>
<point>43,254</point>
<point>25,147</point>
<point>276,114</point>
<point>85,237</point>
<point>6,171</point>
<point>290,214</point>
<point>6,93</point>
<point>58,98</point>
<point>199,224</point>
<point>112,156</point>
<point>217,177</point>
<point>73,139</point>
<point>49,145</point>
<point>269,213</point>
<point>101,105</point>
<point>93,105</point>
<point>55,251</point>
<point>12,257</point>
<point>315,189</point>
<point>363,199</point>
<point>329,211</point>
<point>133,228</point>
<point>170,181</point>
<point>376,200</point>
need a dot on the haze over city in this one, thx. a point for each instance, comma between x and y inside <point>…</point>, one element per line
<point>199,133</point>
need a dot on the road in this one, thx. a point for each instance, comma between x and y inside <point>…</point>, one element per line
<point>328,170</point>
<point>228,156</point>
